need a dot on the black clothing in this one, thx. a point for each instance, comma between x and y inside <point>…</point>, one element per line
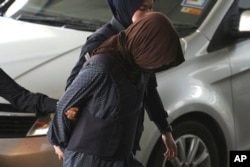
<point>24,100</point>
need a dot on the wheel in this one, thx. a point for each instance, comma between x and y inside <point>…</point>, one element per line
<point>196,147</point>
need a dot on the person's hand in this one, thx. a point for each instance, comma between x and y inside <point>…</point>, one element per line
<point>171,148</point>
<point>72,113</point>
<point>59,152</point>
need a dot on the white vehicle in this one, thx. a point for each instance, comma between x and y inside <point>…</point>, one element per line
<point>207,97</point>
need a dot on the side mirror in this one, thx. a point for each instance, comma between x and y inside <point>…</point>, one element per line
<point>244,24</point>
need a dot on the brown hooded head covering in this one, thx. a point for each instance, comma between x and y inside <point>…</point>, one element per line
<point>153,42</point>
<point>150,43</point>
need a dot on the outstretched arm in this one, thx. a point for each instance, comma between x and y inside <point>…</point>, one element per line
<point>24,100</point>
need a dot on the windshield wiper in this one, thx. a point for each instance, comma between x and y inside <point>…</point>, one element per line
<point>5,5</point>
<point>185,29</point>
<point>60,22</point>
<point>184,26</point>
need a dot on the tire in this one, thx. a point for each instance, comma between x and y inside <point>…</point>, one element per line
<point>196,147</point>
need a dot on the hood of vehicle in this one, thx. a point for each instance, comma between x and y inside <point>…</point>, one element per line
<point>24,45</point>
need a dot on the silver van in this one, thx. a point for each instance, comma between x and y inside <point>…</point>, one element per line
<point>207,97</point>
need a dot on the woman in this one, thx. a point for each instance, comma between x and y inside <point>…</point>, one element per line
<point>124,13</point>
<point>110,90</point>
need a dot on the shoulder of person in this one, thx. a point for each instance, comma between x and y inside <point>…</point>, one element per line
<point>102,60</point>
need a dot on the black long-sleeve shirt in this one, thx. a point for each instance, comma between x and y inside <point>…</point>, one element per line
<point>24,100</point>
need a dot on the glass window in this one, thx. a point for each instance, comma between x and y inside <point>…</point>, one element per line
<point>94,12</point>
<point>186,15</point>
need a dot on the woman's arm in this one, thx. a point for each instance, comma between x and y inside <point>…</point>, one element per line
<point>77,93</point>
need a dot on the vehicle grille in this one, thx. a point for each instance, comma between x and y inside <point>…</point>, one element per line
<point>15,126</point>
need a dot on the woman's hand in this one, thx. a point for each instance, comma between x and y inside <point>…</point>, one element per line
<point>59,152</point>
<point>171,148</point>
<point>72,113</point>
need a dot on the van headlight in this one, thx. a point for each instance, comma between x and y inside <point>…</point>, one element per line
<point>40,127</point>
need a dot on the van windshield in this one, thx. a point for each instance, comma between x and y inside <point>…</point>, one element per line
<point>186,15</point>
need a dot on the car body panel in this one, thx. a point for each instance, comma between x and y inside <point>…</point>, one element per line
<point>15,152</point>
<point>58,42</point>
<point>240,66</point>
<point>37,60</point>
<point>217,13</point>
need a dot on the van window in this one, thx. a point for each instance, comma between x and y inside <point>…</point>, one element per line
<point>187,15</point>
